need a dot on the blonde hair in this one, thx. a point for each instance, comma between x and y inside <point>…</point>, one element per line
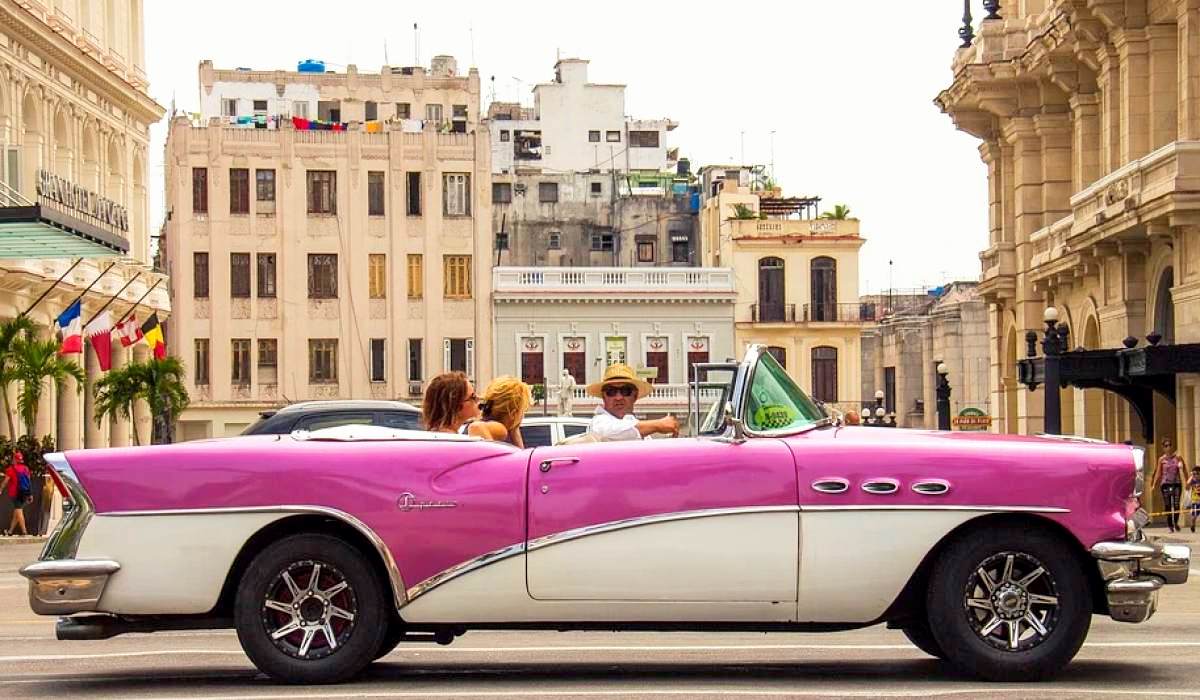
<point>507,399</point>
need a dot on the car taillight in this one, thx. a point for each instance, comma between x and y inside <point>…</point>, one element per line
<point>58,484</point>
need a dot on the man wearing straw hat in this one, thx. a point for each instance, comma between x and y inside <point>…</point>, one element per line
<point>620,389</point>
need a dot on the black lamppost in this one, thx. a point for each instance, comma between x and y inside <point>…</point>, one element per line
<point>879,418</point>
<point>943,396</point>
<point>965,32</point>
<point>1054,344</point>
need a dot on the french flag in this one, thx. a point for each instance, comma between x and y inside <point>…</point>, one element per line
<point>72,330</point>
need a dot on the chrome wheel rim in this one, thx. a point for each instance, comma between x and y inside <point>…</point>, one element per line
<point>309,610</point>
<point>1011,601</point>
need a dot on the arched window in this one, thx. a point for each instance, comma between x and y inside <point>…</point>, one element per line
<point>824,288</point>
<point>1164,308</point>
<point>771,305</point>
<point>824,373</point>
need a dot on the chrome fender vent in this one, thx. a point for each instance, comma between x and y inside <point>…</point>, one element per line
<point>931,487</point>
<point>881,487</point>
<point>830,485</point>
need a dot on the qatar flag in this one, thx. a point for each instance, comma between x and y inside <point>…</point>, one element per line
<point>99,334</point>
<point>72,330</point>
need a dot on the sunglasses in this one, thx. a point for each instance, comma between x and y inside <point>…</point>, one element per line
<point>473,398</point>
<point>626,390</point>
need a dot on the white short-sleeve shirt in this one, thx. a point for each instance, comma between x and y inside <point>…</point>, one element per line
<point>607,427</point>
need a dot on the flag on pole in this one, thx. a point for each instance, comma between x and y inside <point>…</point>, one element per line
<point>129,332</point>
<point>71,325</point>
<point>153,333</point>
<point>99,334</point>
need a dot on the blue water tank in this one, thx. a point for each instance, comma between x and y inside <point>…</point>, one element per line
<point>311,65</point>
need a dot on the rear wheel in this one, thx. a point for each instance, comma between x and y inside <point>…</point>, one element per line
<point>310,610</point>
<point>1009,604</point>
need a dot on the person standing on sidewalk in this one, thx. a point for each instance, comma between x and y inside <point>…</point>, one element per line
<point>1170,474</point>
<point>17,483</point>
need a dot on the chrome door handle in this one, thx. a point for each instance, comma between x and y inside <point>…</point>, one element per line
<point>547,463</point>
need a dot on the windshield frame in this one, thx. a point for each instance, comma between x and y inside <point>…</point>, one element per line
<point>745,380</point>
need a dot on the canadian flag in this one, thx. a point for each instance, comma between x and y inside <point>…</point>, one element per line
<point>129,332</point>
<point>99,334</point>
<point>72,335</point>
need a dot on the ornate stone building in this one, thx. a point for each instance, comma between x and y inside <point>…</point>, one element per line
<point>1088,115</point>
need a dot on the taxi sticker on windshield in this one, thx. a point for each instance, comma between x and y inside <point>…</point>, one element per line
<point>774,416</point>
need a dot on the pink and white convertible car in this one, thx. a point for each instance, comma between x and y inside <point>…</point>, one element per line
<point>325,550</point>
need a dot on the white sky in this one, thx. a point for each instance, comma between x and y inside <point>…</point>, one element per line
<point>847,87</point>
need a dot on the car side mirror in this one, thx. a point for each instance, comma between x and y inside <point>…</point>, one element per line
<point>739,427</point>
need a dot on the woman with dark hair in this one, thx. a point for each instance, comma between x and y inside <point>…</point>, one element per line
<point>450,402</point>
<point>1170,474</point>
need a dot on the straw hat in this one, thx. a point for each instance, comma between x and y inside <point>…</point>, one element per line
<point>619,373</point>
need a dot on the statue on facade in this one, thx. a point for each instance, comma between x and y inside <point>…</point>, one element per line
<point>566,393</point>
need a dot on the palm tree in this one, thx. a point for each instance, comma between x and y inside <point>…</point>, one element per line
<point>159,383</point>
<point>840,212</point>
<point>115,393</point>
<point>10,331</point>
<point>32,362</point>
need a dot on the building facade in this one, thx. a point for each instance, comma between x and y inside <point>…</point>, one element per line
<point>340,254</point>
<point>1088,118</point>
<point>658,320</point>
<point>75,111</point>
<point>796,279</point>
<point>901,354</point>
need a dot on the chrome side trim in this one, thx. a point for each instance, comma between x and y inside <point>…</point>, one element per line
<point>880,487</point>
<point>931,487</point>
<point>465,567</point>
<point>389,561</point>
<point>832,485</point>
<point>78,510</point>
<point>980,509</point>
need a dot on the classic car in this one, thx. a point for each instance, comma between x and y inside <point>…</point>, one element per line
<point>326,549</point>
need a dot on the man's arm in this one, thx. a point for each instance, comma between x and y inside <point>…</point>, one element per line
<point>664,426</point>
<point>608,428</point>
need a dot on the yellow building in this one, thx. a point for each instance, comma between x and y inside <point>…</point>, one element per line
<point>1088,115</point>
<point>796,278</point>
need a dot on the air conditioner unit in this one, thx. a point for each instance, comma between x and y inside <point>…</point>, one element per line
<point>415,388</point>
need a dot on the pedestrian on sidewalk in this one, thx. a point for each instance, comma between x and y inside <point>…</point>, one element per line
<point>1170,474</point>
<point>17,483</point>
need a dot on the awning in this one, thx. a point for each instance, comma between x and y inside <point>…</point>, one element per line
<point>37,231</point>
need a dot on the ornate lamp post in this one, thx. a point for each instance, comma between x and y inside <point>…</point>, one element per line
<point>879,418</point>
<point>943,396</point>
<point>1054,344</point>
<point>965,32</point>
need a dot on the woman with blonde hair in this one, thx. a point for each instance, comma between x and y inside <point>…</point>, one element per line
<point>504,404</point>
<point>450,402</point>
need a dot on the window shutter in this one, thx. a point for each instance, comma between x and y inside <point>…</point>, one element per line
<point>471,358</point>
<point>446,355</point>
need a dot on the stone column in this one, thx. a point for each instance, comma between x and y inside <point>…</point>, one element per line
<point>1108,79</point>
<point>1054,131</point>
<point>118,428</point>
<point>1134,51</point>
<point>141,410</point>
<point>1085,166</point>
<point>1188,116</point>
<point>69,398</point>
<point>93,435</point>
<point>1164,84</point>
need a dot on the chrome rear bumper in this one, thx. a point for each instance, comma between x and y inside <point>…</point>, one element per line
<point>1135,570</point>
<point>67,586</point>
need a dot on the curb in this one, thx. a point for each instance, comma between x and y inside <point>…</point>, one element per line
<point>22,539</point>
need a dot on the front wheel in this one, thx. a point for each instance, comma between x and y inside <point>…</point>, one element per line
<point>310,610</point>
<point>1009,604</point>
<point>922,638</point>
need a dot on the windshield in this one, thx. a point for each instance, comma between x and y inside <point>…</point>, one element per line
<point>775,402</point>
<point>716,387</point>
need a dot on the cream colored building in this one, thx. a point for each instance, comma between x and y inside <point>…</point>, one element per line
<point>74,110</point>
<point>1088,116</point>
<point>796,279</point>
<point>313,264</point>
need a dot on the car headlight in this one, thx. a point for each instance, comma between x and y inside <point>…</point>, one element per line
<point>1139,472</point>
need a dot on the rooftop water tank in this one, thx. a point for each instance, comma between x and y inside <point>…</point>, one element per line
<point>311,65</point>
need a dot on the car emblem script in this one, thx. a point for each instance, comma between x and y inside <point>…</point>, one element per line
<point>409,502</point>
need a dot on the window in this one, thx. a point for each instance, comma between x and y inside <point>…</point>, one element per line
<point>602,242</point>
<point>501,192</point>
<point>824,373</point>
<point>266,275</point>
<point>403,110</point>
<point>697,354</point>
<point>199,190</point>
<point>414,194</point>
<point>239,374</point>
<point>416,276</point>
<point>333,420</point>
<point>645,250</point>
<point>774,402</point>
<point>239,275</point>
<point>459,112</point>
<point>322,360</point>
<point>536,436</point>
<point>375,193</point>
<point>200,275</point>
<point>415,364</point>
<point>889,389</point>
<point>680,247</point>
<point>533,362</point>
<point>505,136</point>
<point>659,357</point>
<point>329,110</point>
<point>574,358</point>
<point>402,420</point>
<point>612,136</point>
<point>594,136</point>
<point>457,274</point>
<point>823,276</point>
<point>239,191</point>
<point>780,354</point>
<point>597,189</point>
<point>458,355</point>
<point>229,106</point>
<point>433,113</point>
<point>554,241</point>
<point>322,192</point>
<point>570,430</point>
<point>260,105</point>
<point>771,306</point>
<point>643,139</point>
<point>547,191</point>
<point>200,366</point>
<point>377,276</point>
<point>456,189</point>
<point>264,186</point>
<point>371,111</point>
<point>322,275</point>
<point>268,361</point>
<point>300,109</point>
<point>378,360</point>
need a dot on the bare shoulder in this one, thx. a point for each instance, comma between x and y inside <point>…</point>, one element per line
<point>488,430</point>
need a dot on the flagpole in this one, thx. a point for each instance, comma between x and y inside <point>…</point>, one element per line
<point>114,298</point>
<point>93,284</point>
<point>51,287</point>
<point>139,301</point>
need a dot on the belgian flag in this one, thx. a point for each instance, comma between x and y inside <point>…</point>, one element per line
<point>153,334</point>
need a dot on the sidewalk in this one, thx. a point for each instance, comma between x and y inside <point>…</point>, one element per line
<point>1184,536</point>
<point>22,539</point>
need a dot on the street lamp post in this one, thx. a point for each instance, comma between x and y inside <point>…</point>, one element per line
<point>1054,344</point>
<point>943,396</point>
<point>879,417</point>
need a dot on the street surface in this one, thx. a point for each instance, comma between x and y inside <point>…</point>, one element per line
<point>1155,659</point>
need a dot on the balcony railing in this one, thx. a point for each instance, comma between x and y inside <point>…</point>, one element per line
<point>611,279</point>
<point>838,313</point>
<point>773,313</point>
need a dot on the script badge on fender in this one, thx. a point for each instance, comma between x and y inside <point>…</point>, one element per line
<point>409,502</point>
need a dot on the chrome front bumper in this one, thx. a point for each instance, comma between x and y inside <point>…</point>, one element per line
<point>1134,570</point>
<point>67,586</point>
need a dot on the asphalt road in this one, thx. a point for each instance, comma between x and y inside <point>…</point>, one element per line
<point>1158,658</point>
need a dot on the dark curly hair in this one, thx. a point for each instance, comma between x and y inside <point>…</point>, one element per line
<point>443,399</point>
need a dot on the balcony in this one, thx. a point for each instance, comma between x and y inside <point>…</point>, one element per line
<point>553,282</point>
<point>787,228</point>
<point>773,313</point>
<point>854,312</point>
